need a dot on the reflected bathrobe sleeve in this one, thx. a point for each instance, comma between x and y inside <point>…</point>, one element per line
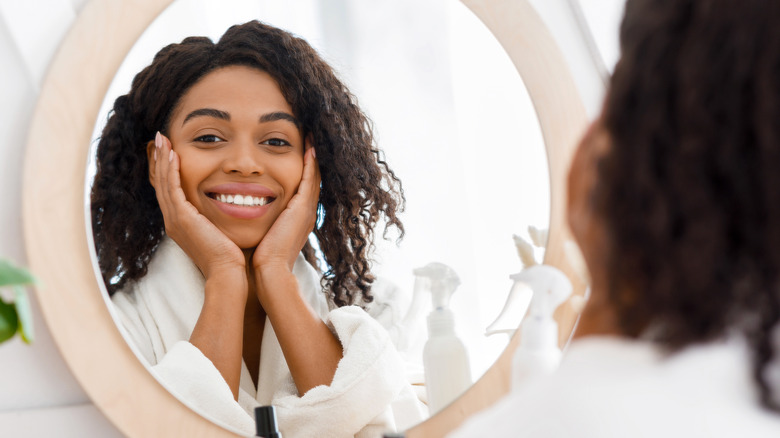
<point>368,391</point>
<point>181,368</point>
<point>369,379</point>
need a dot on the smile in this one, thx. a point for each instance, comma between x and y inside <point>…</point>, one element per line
<point>242,200</point>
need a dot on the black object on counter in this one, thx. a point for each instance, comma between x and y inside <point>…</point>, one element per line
<point>265,422</point>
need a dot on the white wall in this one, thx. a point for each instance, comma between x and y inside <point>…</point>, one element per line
<point>38,395</point>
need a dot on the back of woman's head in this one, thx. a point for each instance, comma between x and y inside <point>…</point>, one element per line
<point>358,188</point>
<point>690,189</point>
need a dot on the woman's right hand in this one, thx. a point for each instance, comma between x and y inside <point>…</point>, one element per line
<point>218,333</point>
<point>211,250</point>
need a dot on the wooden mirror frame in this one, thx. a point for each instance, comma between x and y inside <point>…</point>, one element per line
<point>55,216</point>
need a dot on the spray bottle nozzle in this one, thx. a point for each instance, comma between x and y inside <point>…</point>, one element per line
<point>551,288</point>
<point>441,280</point>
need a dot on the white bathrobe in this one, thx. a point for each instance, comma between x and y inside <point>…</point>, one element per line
<point>369,394</point>
<point>610,387</point>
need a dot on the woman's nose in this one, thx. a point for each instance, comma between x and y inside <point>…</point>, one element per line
<point>243,158</point>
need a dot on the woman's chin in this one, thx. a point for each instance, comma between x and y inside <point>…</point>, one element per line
<point>247,243</point>
<point>245,236</point>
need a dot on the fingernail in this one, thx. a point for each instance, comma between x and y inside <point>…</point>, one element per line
<point>170,156</point>
<point>158,139</point>
<point>314,152</point>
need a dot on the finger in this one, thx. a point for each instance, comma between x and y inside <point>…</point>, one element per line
<point>308,189</point>
<point>159,179</point>
<point>317,174</point>
<point>153,170</point>
<point>310,181</point>
<point>317,177</point>
<point>178,199</point>
<point>163,166</point>
<point>313,151</point>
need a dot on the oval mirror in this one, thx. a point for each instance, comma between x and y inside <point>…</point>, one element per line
<point>105,32</point>
<point>471,158</point>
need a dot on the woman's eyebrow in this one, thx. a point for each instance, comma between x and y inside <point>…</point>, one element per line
<point>209,112</point>
<point>279,115</point>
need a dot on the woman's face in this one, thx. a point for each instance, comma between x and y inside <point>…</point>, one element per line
<point>241,151</point>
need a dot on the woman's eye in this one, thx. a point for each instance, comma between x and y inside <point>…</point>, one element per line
<point>276,142</point>
<point>210,138</point>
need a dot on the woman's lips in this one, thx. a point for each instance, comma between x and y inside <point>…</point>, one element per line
<point>241,200</point>
<point>242,189</point>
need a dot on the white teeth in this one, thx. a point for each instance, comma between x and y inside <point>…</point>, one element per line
<point>243,200</point>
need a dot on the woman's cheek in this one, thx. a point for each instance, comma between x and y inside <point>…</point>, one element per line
<point>190,176</point>
<point>294,176</point>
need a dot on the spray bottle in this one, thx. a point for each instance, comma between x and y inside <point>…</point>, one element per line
<point>519,298</point>
<point>446,362</point>
<point>538,353</point>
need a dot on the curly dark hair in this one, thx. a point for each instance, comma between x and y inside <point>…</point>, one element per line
<point>358,187</point>
<point>690,189</point>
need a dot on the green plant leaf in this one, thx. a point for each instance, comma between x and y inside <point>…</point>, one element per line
<point>11,275</point>
<point>22,304</point>
<point>9,321</point>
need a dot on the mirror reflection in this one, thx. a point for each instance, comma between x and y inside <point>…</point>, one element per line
<point>452,121</point>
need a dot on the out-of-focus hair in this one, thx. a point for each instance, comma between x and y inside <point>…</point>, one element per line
<point>690,188</point>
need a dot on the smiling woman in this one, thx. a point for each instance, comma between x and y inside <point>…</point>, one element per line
<point>225,287</point>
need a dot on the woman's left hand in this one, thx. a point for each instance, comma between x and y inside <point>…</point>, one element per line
<point>311,351</point>
<point>289,233</point>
